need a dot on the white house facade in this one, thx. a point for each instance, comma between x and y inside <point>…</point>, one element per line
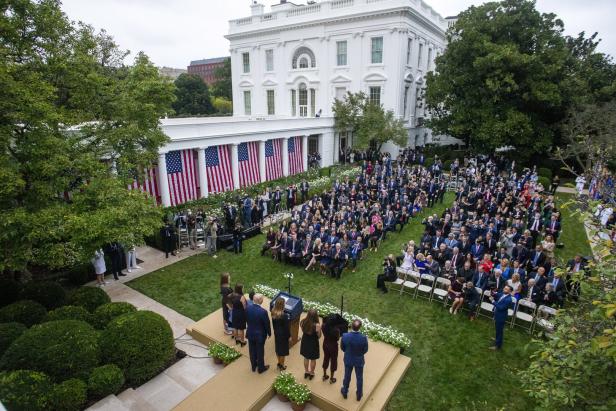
<point>291,62</point>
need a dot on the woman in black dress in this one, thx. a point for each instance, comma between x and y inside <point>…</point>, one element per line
<point>282,332</point>
<point>331,335</point>
<point>225,290</point>
<point>238,315</point>
<point>309,348</point>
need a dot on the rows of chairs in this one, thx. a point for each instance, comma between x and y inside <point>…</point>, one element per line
<point>525,314</point>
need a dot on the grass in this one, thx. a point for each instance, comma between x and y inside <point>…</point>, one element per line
<point>451,369</point>
<point>573,234</point>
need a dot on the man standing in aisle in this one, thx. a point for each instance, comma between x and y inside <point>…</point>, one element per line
<point>259,329</point>
<point>355,346</point>
<point>501,302</point>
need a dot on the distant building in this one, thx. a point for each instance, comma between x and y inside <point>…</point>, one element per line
<point>206,68</point>
<point>171,72</point>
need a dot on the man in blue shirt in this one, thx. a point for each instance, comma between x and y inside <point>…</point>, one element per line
<point>355,346</point>
<point>502,301</point>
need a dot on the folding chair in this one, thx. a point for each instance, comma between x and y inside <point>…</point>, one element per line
<point>410,284</point>
<point>486,308</point>
<point>544,318</point>
<point>397,285</point>
<point>511,311</point>
<point>525,314</point>
<point>426,285</point>
<point>440,289</point>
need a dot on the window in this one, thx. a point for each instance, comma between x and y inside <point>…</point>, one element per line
<point>247,103</point>
<point>406,100</point>
<point>340,93</point>
<point>303,52</point>
<point>375,95</point>
<point>341,53</point>
<point>293,103</point>
<point>269,60</point>
<point>429,58</point>
<point>303,62</point>
<point>271,109</point>
<point>419,55</point>
<point>313,97</point>
<point>377,50</point>
<point>409,50</point>
<point>303,100</point>
<point>246,62</point>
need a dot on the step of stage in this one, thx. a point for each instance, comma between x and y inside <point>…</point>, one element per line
<point>388,384</point>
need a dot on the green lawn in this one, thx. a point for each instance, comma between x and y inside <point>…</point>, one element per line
<point>573,234</point>
<point>451,369</point>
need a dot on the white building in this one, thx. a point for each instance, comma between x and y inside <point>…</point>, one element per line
<point>291,62</point>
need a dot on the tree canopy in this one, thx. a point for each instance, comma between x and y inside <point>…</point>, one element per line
<point>222,87</point>
<point>193,96</point>
<point>509,76</point>
<point>75,122</point>
<point>368,121</point>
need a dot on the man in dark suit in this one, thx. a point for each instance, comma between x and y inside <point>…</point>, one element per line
<point>339,258</point>
<point>540,278</point>
<point>558,285</point>
<point>480,279</point>
<point>116,254</point>
<point>501,302</point>
<point>355,346</point>
<point>304,187</point>
<point>553,227</point>
<point>478,250</point>
<point>258,330</point>
<point>536,259</point>
<point>497,282</point>
<point>533,293</point>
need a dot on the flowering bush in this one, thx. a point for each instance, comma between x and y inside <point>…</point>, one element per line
<point>288,275</point>
<point>299,394</point>
<point>283,383</point>
<point>224,353</point>
<point>375,331</point>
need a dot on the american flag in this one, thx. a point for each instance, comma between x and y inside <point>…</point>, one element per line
<point>149,183</point>
<point>219,174</point>
<point>248,159</point>
<point>273,160</point>
<point>182,176</point>
<point>296,159</point>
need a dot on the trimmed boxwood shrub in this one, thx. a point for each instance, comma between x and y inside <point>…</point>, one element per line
<point>89,298</point>
<point>70,395</point>
<point>26,312</point>
<point>10,290</point>
<point>545,172</point>
<point>9,332</point>
<point>140,343</point>
<point>80,274</point>
<point>105,380</point>
<point>109,311</point>
<point>61,349</point>
<point>70,312</point>
<point>48,293</point>
<point>25,390</point>
<point>544,182</point>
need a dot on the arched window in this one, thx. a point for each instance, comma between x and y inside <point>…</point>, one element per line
<point>303,100</point>
<point>303,58</point>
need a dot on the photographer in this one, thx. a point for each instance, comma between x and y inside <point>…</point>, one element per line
<point>211,238</point>
<point>237,239</point>
<point>471,299</point>
<point>389,273</point>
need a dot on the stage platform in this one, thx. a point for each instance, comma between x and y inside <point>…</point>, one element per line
<point>236,388</point>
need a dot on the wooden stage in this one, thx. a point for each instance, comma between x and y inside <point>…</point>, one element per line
<point>236,388</point>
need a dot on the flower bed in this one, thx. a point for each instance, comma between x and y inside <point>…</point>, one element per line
<point>288,389</point>
<point>375,331</point>
<point>223,353</point>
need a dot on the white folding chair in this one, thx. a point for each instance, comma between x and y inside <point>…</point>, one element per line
<point>440,289</point>
<point>486,308</point>
<point>525,314</point>
<point>544,318</point>
<point>397,285</point>
<point>425,287</point>
<point>511,310</point>
<point>410,284</point>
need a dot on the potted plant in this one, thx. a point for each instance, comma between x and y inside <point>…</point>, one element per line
<point>223,354</point>
<point>283,384</point>
<point>299,395</point>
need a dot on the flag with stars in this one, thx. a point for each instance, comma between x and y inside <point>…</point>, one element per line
<point>218,166</point>
<point>296,159</point>
<point>182,176</point>
<point>248,161</point>
<point>273,160</point>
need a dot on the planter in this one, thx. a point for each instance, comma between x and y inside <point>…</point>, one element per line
<point>217,360</point>
<point>282,398</point>
<point>298,407</point>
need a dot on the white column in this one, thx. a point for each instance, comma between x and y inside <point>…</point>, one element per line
<point>234,166</point>
<point>262,161</point>
<point>163,182</point>
<point>285,156</point>
<point>305,152</point>
<point>326,146</point>
<point>202,172</point>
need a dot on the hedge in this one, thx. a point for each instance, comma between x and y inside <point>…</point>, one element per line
<point>140,343</point>
<point>48,293</point>
<point>544,182</point>
<point>25,390</point>
<point>10,290</point>
<point>105,380</point>
<point>545,172</point>
<point>107,312</point>
<point>89,298</point>
<point>61,349</point>
<point>26,312</point>
<point>69,395</point>
<point>9,332</point>
<point>70,312</point>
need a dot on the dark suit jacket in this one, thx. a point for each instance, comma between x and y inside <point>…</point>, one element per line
<point>480,283</point>
<point>497,285</point>
<point>536,294</point>
<point>258,323</point>
<point>501,306</point>
<point>355,346</point>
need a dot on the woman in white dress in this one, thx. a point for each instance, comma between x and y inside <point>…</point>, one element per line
<point>408,260</point>
<point>98,261</point>
<point>507,240</point>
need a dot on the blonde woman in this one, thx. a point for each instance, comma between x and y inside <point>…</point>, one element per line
<point>548,245</point>
<point>316,254</point>
<point>516,285</point>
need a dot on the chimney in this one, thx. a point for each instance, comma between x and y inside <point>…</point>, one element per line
<point>257,8</point>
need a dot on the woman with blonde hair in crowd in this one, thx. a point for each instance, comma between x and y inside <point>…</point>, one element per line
<point>548,245</point>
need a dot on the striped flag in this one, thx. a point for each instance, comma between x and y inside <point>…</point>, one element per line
<point>296,159</point>
<point>248,161</point>
<point>182,176</point>
<point>273,160</point>
<point>219,174</point>
<point>149,183</point>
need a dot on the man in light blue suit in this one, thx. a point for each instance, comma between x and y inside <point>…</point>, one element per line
<point>502,301</point>
<point>355,346</point>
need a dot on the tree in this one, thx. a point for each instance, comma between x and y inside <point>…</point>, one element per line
<point>222,105</point>
<point>368,121</point>
<point>222,87</point>
<point>193,96</point>
<point>75,120</point>
<point>507,78</point>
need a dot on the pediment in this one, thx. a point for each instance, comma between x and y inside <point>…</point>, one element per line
<point>375,76</point>
<point>269,83</point>
<point>303,78</point>
<point>341,78</point>
<point>246,83</point>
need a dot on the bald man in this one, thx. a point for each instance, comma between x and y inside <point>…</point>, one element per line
<point>355,346</point>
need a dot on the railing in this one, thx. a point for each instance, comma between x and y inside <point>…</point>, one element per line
<point>268,17</point>
<point>315,8</point>
<point>338,4</point>
<point>246,20</point>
